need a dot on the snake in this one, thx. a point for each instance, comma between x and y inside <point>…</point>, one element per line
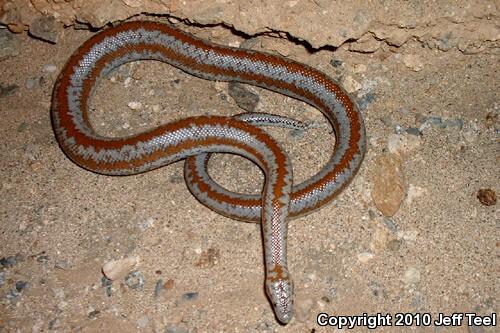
<point>195,138</point>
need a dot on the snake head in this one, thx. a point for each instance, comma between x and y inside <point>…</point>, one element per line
<point>280,293</point>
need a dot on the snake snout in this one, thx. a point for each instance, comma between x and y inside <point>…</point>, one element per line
<point>280,293</point>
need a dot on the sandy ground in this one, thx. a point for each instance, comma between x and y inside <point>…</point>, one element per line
<point>201,272</point>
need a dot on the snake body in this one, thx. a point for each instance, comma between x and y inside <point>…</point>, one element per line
<point>194,137</point>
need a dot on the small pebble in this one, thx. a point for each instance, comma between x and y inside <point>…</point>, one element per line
<point>8,90</point>
<point>9,44</point>
<point>126,84</point>
<point>142,322</point>
<point>243,97</point>
<point>336,63</point>
<point>414,131</point>
<point>156,108</point>
<point>46,28</point>
<point>487,197</point>
<point>2,278</point>
<point>437,121</point>
<point>117,269</point>
<point>394,245</point>
<point>411,276</point>
<point>135,105</point>
<point>390,224</point>
<point>107,284</point>
<point>414,192</point>
<point>8,261</point>
<point>366,100</point>
<point>458,123</point>
<point>49,68</point>
<point>413,62</point>
<point>389,188</point>
<point>359,68</point>
<point>22,226</point>
<point>12,294</point>
<point>471,133</point>
<point>169,285</point>
<point>135,280</point>
<point>20,285</point>
<point>409,236</point>
<point>93,314</point>
<point>43,259</point>
<point>191,296</point>
<point>34,83</point>
<point>380,239</point>
<point>398,129</point>
<point>158,288</point>
<point>375,288</point>
<point>365,257</point>
<point>350,84</point>
<point>62,264</point>
<point>146,224</point>
<point>326,299</point>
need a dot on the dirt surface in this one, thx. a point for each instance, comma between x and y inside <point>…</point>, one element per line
<point>432,124</point>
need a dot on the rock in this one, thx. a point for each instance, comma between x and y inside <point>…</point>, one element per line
<point>365,101</point>
<point>413,62</point>
<point>46,28</point>
<point>9,44</point>
<point>414,131</point>
<point>389,223</point>
<point>402,144</point>
<point>135,280</point>
<point>169,285</point>
<point>366,44</point>
<point>21,285</point>
<point>43,259</point>
<point>409,236</point>
<point>142,322</point>
<point>394,245</point>
<point>34,83</point>
<point>487,197</point>
<point>8,90</point>
<point>245,99</point>
<point>380,240</point>
<point>8,261</point>
<point>359,68</point>
<point>117,269</point>
<point>191,296</point>
<point>158,288</point>
<point>388,184</point>
<point>350,84</point>
<point>146,224</point>
<point>411,276</point>
<point>50,68</point>
<point>365,257</point>
<point>208,258</point>
<point>135,105</point>
<point>414,192</point>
